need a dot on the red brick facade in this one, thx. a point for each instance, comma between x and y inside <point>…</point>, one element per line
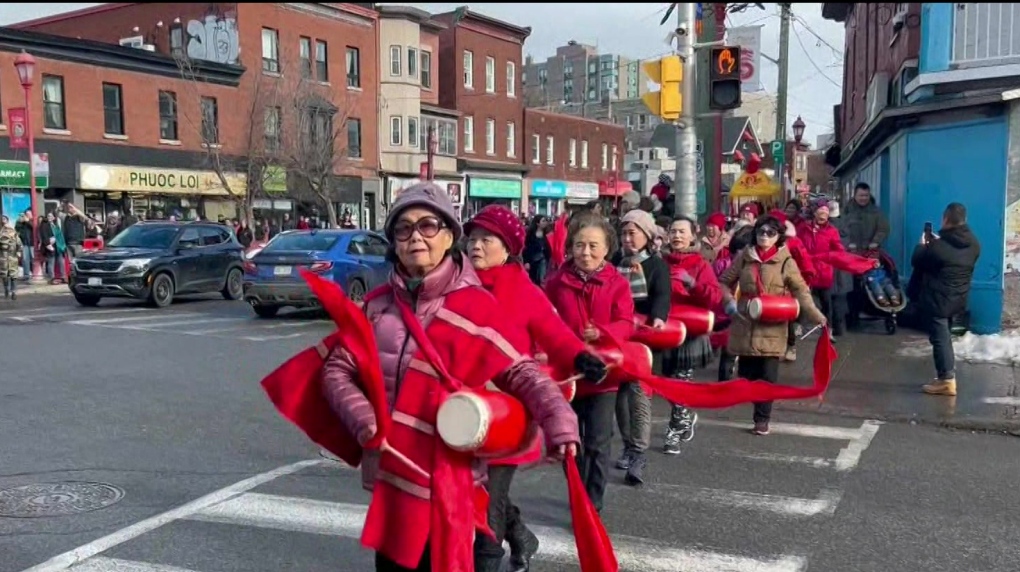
<point>567,132</point>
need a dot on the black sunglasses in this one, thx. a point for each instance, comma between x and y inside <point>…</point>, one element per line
<point>768,232</point>
<point>427,227</point>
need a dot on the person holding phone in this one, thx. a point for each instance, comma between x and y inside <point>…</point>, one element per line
<point>943,266</point>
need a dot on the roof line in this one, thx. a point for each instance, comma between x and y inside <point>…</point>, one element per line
<point>71,15</point>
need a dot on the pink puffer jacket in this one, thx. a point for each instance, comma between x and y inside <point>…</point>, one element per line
<point>525,381</point>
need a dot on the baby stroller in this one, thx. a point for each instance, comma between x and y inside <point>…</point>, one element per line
<point>882,289</point>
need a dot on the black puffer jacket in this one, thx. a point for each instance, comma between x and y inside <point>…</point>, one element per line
<point>943,271</point>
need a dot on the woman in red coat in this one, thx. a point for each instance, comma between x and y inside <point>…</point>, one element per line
<point>496,240</point>
<point>820,237</point>
<point>807,270</point>
<point>694,284</point>
<point>591,296</point>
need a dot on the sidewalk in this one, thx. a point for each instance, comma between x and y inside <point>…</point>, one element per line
<point>879,376</point>
<point>41,288</point>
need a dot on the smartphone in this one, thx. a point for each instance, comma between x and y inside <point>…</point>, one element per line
<point>928,228</point>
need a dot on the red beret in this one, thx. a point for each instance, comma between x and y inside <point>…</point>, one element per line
<point>503,223</point>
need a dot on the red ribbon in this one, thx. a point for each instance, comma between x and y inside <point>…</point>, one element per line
<point>846,261</point>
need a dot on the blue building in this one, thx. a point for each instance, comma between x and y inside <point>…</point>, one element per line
<point>929,112</point>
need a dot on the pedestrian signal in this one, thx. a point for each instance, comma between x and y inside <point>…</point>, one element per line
<point>724,78</point>
<point>668,72</point>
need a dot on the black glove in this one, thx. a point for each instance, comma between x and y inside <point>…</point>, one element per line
<point>591,367</point>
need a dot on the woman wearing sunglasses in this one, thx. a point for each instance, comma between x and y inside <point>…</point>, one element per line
<point>437,330</point>
<point>763,268</point>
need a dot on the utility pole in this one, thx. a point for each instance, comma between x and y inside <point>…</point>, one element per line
<point>784,73</point>
<point>430,144</point>
<point>686,176</point>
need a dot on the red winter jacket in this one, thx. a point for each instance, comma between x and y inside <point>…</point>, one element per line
<point>801,256</point>
<point>819,240</point>
<point>603,299</point>
<point>706,292</point>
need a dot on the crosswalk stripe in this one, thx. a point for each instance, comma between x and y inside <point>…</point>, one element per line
<point>556,544</point>
<point>111,321</point>
<point>35,317</point>
<point>795,429</point>
<point>162,325</point>
<point>825,504</point>
<point>103,564</point>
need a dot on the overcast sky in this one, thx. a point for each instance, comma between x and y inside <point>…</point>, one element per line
<point>632,30</point>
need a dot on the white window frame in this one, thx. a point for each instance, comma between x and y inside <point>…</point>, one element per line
<point>511,79</point>
<point>469,69</point>
<point>584,153</point>
<point>616,158</point>
<point>490,136</point>
<point>396,59</point>
<point>396,131</point>
<point>469,134</point>
<point>550,152</point>
<point>605,156</point>
<point>490,74</point>
<point>412,63</point>
<point>536,149</point>
<point>414,135</point>
<point>573,152</point>
<point>511,139</point>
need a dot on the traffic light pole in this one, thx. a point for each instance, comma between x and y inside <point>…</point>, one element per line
<point>781,96</point>
<point>686,176</point>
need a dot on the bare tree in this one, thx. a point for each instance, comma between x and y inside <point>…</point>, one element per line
<point>315,143</point>
<point>259,155</point>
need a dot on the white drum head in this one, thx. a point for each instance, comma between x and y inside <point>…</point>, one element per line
<point>648,353</point>
<point>754,309</point>
<point>463,422</point>
<point>711,322</point>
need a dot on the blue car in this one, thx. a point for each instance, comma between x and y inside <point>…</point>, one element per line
<point>354,259</point>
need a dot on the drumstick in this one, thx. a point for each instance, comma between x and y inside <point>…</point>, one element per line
<point>809,332</point>
<point>579,376</point>
<point>386,448</point>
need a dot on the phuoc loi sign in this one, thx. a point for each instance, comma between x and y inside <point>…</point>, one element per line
<point>92,177</point>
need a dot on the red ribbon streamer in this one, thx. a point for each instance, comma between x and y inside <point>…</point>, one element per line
<point>594,549</point>
<point>846,261</point>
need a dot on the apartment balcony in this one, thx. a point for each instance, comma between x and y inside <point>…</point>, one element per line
<point>985,34</point>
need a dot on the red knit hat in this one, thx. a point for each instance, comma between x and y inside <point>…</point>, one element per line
<point>779,215</point>
<point>716,219</point>
<point>503,223</point>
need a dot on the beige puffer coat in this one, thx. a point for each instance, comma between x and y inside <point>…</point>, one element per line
<point>780,277</point>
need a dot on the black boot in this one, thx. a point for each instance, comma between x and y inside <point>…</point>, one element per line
<point>523,544</point>
<point>636,471</point>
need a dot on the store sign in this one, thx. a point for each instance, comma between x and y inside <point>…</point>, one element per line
<point>397,184</point>
<point>541,188</point>
<point>494,188</point>
<point>129,179</point>
<point>15,174</point>
<point>582,191</point>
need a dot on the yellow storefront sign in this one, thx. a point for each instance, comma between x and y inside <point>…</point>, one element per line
<point>756,185</point>
<point>94,177</point>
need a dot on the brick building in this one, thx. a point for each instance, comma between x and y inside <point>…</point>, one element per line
<point>319,68</point>
<point>479,67</point>
<point>570,160</point>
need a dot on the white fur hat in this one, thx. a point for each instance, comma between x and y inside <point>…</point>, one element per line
<point>833,209</point>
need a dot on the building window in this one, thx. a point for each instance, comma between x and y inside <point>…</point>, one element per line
<point>584,154</point>
<point>168,116</point>
<point>469,71</point>
<point>319,134</point>
<point>395,61</point>
<point>396,131</point>
<point>549,150</point>
<point>800,162</point>
<point>511,139</point>
<point>176,39</point>
<point>605,156</point>
<point>272,128</point>
<point>321,61</point>
<point>412,62</point>
<point>412,131</point>
<point>490,136</point>
<point>354,138</point>
<point>210,121</point>
<point>536,149</point>
<point>305,54</point>
<point>445,132</point>
<point>616,158</point>
<point>270,50</point>
<point>113,109</point>
<point>490,75</point>
<point>469,134</point>
<point>573,152</point>
<point>53,102</point>
<point>426,69</point>
<point>511,79</point>
<point>353,67</point>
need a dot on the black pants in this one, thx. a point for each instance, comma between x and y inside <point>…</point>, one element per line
<point>764,369</point>
<point>941,339</point>
<point>823,296</point>
<point>726,363</point>
<point>383,564</point>
<point>840,304</point>
<point>501,512</point>
<point>537,270</point>
<point>595,420</point>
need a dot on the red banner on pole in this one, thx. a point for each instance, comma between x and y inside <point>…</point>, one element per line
<point>18,120</point>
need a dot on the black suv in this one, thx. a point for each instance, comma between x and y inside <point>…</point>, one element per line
<point>156,261</point>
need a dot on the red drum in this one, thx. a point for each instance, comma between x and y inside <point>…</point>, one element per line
<point>637,357</point>
<point>484,422</point>
<point>698,321</point>
<point>669,337</point>
<point>773,309</point>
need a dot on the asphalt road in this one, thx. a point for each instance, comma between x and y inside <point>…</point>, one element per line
<point>154,419</point>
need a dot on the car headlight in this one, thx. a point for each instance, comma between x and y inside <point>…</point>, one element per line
<point>135,264</point>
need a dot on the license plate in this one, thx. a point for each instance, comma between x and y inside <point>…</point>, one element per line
<point>95,281</point>
<point>281,270</point>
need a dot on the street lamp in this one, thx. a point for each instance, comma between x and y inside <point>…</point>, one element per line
<point>798,129</point>
<point>25,65</point>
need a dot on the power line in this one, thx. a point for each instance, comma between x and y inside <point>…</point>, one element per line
<point>838,52</point>
<point>811,60</point>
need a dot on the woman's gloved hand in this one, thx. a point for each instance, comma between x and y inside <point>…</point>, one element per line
<point>592,368</point>
<point>731,307</point>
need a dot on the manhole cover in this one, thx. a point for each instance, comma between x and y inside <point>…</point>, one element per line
<point>57,499</point>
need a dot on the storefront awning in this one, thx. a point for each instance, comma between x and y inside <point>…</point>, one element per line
<point>614,189</point>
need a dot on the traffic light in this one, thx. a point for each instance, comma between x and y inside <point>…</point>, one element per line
<point>669,74</point>
<point>724,78</point>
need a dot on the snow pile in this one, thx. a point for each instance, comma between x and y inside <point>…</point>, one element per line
<point>996,348</point>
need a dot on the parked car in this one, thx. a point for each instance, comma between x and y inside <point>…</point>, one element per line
<point>354,259</point>
<point>157,261</point>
